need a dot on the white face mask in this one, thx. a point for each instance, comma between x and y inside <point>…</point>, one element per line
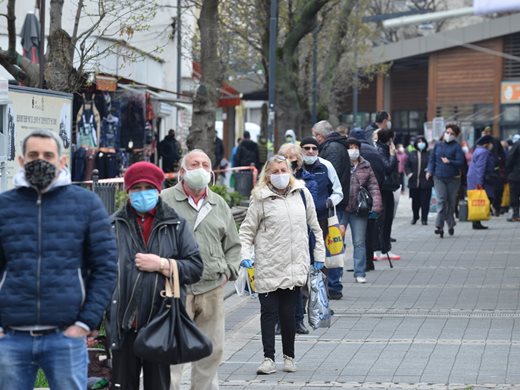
<point>309,160</point>
<point>421,145</point>
<point>280,181</point>
<point>389,125</point>
<point>448,138</point>
<point>197,179</point>
<point>465,149</point>
<point>353,154</point>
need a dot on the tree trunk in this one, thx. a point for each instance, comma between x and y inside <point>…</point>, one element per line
<point>202,132</point>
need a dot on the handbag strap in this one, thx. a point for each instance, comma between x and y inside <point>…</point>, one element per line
<point>171,283</point>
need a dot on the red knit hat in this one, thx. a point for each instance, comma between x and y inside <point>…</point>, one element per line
<point>144,172</point>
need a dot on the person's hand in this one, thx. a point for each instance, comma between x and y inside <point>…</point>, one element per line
<point>147,262</point>
<point>75,331</point>
<point>445,160</point>
<point>318,265</point>
<point>392,148</point>
<point>329,204</point>
<point>428,175</point>
<point>91,339</point>
<point>246,263</point>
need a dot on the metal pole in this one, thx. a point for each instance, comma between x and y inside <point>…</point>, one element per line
<point>272,71</point>
<point>42,42</point>
<point>179,55</point>
<point>355,87</point>
<point>314,112</point>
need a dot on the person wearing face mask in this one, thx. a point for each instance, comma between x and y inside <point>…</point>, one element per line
<point>149,233</point>
<point>383,121</point>
<point>322,182</point>
<point>276,227</point>
<point>420,187</point>
<point>361,176</point>
<point>58,267</point>
<point>213,226</point>
<point>481,171</point>
<point>446,162</point>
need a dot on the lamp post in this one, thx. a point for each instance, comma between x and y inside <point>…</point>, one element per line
<point>272,71</point>
<point>42,42</point>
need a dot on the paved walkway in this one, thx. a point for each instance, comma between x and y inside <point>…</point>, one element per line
<point>446,316</point>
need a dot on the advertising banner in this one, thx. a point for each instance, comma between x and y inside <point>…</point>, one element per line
<point>33,109</point>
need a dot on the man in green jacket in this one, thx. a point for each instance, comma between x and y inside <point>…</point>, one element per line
<point>215,231</point>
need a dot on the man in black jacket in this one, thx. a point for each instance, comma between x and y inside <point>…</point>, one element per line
<point>247,153</point>
<point>170,151</point>
<point>383,121</point>
<point>332,147</point>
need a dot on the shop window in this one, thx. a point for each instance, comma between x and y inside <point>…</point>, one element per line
<point>510,114</point>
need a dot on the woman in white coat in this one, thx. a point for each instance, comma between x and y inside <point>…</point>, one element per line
<point>276,225</point>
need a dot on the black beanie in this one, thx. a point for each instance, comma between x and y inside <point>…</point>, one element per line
<point>309,140</point>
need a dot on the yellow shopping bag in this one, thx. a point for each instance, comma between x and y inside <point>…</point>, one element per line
<point>478,205</point>
<point>505,196</point>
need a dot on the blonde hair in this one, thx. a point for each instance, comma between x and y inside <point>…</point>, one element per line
<point>263,179</point>
<point>290,149</point>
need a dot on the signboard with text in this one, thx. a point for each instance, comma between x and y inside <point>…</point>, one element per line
<point>510,92</point>
<point>33,109</point>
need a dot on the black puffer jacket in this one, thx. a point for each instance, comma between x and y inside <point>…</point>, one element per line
<point>391,181</point>
<point>334,149</point>
<point>137,294</point>
<point>416,164</point>
<point>513,163</point>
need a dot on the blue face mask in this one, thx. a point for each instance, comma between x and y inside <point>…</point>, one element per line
<point>144,201</point>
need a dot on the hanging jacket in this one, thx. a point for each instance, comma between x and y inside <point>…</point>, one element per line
<point>137,295</point>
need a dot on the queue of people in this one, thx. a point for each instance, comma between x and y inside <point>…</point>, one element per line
<point>90,265</point>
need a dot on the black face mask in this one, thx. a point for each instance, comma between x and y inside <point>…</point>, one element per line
<point>294,165</point>
<point>40,173</point>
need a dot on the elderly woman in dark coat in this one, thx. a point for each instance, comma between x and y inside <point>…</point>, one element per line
<point>420,186</point>
<point>482,171</point>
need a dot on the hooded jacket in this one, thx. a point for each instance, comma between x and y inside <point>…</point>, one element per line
<point>335,150</point>
<point>57,255</point>
<point>137,295</point>
<point>362,175</point>
<point>276,227</point>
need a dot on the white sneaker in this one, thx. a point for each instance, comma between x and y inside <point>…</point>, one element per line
<point>361,279</point>
<point>267,367</point>
<point>288,364</point>
<point>377,255</point>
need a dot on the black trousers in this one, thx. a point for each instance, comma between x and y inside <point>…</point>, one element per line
<point>278,305</point>
<point>126,369</point>
<point>388,215</point>
<point>514,193</point>
<point>369,244</point>
<point>421,202</point>
<point>498,189</point>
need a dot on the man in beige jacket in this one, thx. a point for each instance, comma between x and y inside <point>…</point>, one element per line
<point>215,231</point>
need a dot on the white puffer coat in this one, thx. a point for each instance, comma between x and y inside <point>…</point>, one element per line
<point>276,226</point>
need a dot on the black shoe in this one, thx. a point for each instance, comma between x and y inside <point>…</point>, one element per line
<point>479,226</point>
<point>277,329</point>
<point>414,221</point>
<point>301,329</point>
<point>439,231</point>
<point>336,295</point>
<point>393,239</point>
<point>451,231</point>
<point>424,223</point>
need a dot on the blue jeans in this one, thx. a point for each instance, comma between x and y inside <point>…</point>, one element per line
<point>334,275</point>
<point>358,227</point>
<point>63,359</point>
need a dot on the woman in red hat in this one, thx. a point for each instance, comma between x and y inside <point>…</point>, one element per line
<point>148,234</point>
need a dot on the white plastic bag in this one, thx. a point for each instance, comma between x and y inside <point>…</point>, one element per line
<point>243,284</point>
<point>318,308</point>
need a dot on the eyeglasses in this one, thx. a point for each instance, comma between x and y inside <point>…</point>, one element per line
<point>278,158</point>
<point>310,148</point>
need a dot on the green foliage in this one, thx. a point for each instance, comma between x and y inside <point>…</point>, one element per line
<point>41,381</point>
<point>121,198</point>
<point>232,198</point>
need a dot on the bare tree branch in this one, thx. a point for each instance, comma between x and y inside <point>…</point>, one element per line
<point>74,38</point>
<point>11,28</point>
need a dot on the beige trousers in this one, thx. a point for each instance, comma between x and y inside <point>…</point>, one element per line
<point>207,310</point>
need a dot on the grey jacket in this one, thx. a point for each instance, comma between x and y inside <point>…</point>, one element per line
<point>216,233</point>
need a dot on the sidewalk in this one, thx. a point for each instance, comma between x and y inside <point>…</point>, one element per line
<point>446,316</point>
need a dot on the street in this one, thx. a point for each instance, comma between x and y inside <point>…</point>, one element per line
<point>446,316</point>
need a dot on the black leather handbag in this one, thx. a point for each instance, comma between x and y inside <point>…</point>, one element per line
<point>172,337</point>
<point>364,202</point>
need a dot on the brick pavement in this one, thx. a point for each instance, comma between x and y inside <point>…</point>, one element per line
<point>446,317</point>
